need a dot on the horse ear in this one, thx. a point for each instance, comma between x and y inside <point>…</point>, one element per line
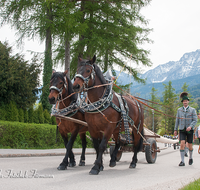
<point>93,59</point>
<point>65,73</point>
<point>53,71</point>
<point>80,59</point>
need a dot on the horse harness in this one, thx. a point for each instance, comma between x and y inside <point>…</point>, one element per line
<point>106,101</point>
<point>74,106</point>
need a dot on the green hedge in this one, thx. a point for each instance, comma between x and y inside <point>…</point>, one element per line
<point>28,135</point>
<point>32,136</point>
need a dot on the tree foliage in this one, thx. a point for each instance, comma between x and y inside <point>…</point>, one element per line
<point>18,78</point>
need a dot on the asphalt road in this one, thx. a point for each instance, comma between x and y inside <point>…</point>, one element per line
<point>35,173</point>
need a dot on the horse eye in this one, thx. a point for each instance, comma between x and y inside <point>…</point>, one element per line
<point>61,82</point>
<point>88,71</point>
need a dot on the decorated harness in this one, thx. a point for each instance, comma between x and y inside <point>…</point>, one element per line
<point>106,101</point>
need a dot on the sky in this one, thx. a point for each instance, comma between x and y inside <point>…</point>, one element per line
<point>175,24</point>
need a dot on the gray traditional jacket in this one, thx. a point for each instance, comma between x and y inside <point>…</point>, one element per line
<point>191,120</point>
<point>196,132</point>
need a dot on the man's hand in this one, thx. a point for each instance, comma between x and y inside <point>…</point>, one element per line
<point>189,128</point>
<point>175,133</point>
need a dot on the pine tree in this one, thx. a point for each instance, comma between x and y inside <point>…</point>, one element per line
<point>21,115</point>
<point>153,116</point>
<point>47,117</point>
<point>169,100</point>
<point>40,114</point>
<point>30,114</point>
<point>26,116</point>
<point>113,34</point>
<point>12,112</point>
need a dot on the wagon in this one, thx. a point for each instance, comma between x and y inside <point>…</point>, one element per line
<point>149,147</point>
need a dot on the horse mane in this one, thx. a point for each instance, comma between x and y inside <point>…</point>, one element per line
<point>69,84</point>
<point>70,90</point>
<point>99,74</point>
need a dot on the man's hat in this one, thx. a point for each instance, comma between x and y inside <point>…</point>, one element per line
<point>184,96</point>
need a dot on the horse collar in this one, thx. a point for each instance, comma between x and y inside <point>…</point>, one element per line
<point>69,111</point>
<point>100,105</point>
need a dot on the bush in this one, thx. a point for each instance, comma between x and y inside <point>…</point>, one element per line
<point>21,135</point>
<point>33,136</point>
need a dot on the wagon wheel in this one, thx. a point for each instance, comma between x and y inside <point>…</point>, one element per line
<point>150,152</point>
<point>119,153</point>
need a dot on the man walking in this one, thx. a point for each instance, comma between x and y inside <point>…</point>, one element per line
<point>186,120</point>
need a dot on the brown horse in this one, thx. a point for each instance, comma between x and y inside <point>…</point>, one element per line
<point>107,116</point>
<point>60,88</point>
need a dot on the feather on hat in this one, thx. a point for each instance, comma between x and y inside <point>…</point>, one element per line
<point>184,96</point>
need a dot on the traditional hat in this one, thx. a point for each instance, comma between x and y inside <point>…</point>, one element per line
<point>184,96</point>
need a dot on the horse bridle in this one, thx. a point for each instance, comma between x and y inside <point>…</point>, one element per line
<point>59,90</point>
<point>86,79</point>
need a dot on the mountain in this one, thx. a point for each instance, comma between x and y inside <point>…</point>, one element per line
<point>144,90</point>
<point>188,65</point>
<point>187,69</point>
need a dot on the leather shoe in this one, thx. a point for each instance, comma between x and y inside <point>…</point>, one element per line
<point>190,161</point>
<point>186,155</point>
<point>182,164</point>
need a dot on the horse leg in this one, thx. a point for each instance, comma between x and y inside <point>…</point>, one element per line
<point>114,155</point>
<point>72,161</point>
<point>98,163</point>
<point>69,152</point>
<point>137,147</point>
<point>84,144</point>
<point>64,163</point>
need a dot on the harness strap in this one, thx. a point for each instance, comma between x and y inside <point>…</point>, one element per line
<point>124,117</point>
<point>139,116</point>
<point>119,110</point>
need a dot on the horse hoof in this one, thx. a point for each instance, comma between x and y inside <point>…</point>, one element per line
<point>112,164</point>
<point>101,168</point>
<point>82,163</point>
<point>72,164</point>
<point>132,166</point>
<point>94,172</point>
<point>61,167</point>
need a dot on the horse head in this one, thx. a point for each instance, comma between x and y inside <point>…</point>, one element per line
<point>58,86</point>
<point>85,74</point>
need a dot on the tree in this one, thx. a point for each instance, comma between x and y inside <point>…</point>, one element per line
<point>152,118</point>
<point>47,117</point>
<point>26,116</point>
<point>40,114</point>
<point>21,115</point>
<point>169,100</point>
<point>113,34</point>
<point>18,78</point>
<point>32,19</point>
<point>30,115</point>
<point>12,113</point>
